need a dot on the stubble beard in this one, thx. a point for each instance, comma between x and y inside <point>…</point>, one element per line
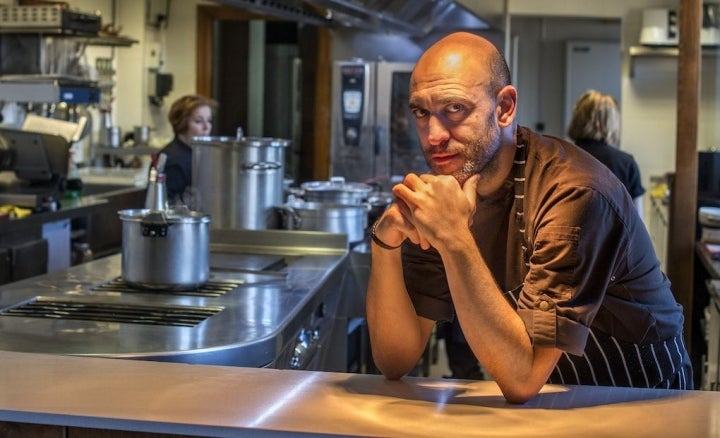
<point>480,154</point>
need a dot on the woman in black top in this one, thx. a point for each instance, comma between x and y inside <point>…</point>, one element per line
<point>595,127</point>
<point>190,116</point>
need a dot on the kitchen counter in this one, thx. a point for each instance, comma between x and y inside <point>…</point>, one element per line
<point>272,299</point>
<point>93,216</point>
<point>201,400</point>
<point>70,209</point>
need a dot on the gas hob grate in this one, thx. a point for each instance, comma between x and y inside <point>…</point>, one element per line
<point>212,288</point>
<point>166,315</point>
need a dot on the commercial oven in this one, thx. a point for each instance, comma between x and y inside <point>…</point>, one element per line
<point>373,136</point>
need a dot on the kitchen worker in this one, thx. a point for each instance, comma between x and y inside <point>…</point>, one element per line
<point>527,240</point>
<point>595,127</point>
<point>190,116</point>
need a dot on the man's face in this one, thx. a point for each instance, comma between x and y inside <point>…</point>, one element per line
<point>456,124</point>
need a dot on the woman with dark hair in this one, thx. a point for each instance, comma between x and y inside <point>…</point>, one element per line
<point>190,116</point>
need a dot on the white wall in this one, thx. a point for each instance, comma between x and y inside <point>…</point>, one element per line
<point>176,44</point>
<point>540,65</point>
<point>648,98</point>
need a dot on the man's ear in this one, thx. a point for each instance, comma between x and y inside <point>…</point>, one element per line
<point>506,105</point>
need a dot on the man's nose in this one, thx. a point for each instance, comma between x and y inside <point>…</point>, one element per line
<point>437,131</point>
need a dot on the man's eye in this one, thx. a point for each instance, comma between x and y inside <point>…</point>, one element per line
<point>454,108</point>
<point>419,113</point>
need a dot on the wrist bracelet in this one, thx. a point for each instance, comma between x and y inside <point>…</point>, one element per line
<point>379,242</point>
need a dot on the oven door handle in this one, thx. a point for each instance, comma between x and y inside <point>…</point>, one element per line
<point>306,346</point>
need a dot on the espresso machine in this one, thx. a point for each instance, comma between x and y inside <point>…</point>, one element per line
<point>33,168</point>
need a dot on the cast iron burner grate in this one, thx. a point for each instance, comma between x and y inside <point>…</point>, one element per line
<point>53,308</point>
<point>212,288</point>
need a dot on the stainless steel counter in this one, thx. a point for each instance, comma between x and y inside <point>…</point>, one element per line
<point>283,294</point>
<point>200,400</point>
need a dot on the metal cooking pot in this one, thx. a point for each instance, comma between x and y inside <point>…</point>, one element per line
<point>239,181</point>
<point>336,191</point>
<point>328,217</point>
<point>379,202</point>
<point>165,249</point>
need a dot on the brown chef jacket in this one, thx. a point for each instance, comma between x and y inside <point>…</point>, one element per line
<point>591,263</point>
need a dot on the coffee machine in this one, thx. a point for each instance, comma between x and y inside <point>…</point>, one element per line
<point>35,165</point>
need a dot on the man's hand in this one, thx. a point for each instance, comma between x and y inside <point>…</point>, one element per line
<point>436,206</point>
<point>393,228</point>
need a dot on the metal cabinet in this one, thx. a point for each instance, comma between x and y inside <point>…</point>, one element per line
<point>711,370</point>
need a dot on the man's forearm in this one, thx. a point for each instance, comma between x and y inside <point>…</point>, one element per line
<point>493,329</point>
<point>397,336</point>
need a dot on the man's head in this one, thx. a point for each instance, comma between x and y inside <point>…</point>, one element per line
<point>464,105</point>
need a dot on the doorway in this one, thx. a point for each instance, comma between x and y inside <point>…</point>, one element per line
<point>272,78</point>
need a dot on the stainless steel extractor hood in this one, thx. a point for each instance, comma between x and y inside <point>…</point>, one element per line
<point>410,17</point>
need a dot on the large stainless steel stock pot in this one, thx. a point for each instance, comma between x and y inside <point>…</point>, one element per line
<point>239,181</point>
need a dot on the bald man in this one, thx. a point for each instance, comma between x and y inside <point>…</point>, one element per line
<point>527,240</point>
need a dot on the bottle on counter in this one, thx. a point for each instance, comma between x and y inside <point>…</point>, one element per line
<point>156,198</point>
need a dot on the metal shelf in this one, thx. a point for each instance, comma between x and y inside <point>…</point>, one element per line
<point>108,41</point>
<point>89,39</point>
<point>132,150</point>
<point>663,52</point>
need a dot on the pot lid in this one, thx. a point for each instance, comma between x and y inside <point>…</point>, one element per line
<point>164,216</point>
<point>227,141</point>
<point>336,184</point>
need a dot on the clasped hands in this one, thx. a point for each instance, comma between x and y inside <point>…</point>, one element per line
<point>428,210</point>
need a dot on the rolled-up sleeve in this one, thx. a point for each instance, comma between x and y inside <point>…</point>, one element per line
<point>426,283</point>
<point>575,251</point>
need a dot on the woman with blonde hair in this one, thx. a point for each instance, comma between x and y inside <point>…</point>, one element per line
<point>595,127</point>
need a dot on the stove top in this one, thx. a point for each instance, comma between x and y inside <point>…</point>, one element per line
<point>212,288</point>
<point>58,308</point>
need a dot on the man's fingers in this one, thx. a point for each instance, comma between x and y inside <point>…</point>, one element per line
<point>470,189</point>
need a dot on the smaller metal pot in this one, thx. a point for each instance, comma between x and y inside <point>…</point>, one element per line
<point>379,202</point>
<point>141,134</point>
<point>165,249</point>
<point>336,191</point>
<point>328,217</point>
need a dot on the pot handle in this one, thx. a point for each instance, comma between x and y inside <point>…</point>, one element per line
<point>292,220</point>
<point>153,228</point>
<point>261,165</point>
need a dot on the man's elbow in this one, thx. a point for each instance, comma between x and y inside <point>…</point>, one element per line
<point>518,392</point>
<point>392,364</point>
<point>392,370</point>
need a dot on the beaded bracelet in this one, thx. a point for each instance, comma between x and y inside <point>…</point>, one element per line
<point>379,242</point>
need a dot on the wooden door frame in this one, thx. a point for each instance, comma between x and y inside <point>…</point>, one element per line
<point>316,137</point>
<point>683,209</point>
